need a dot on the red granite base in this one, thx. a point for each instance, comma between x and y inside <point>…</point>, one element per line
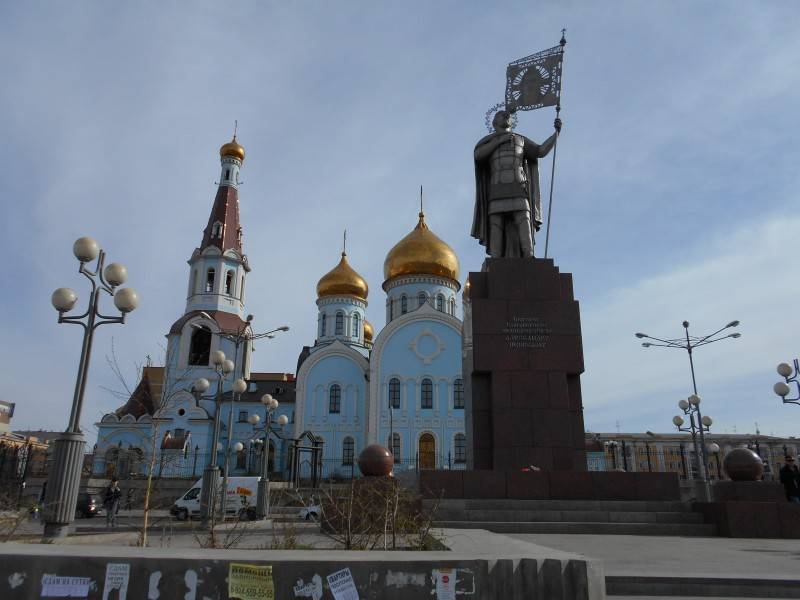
<point>753,519</point>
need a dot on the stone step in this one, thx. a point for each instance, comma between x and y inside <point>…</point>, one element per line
<point>589,516</point>
<point>562,505</point>
<point>680,529</point>
<point>623,586</point>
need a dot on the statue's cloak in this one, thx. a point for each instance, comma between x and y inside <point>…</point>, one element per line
<point>480,220</point>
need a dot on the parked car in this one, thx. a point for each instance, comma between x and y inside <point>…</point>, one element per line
<point>87,506</point>
<point>310,512</point>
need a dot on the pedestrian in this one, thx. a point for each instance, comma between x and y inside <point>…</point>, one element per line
<point>111,502</point>
<point>790,478</point>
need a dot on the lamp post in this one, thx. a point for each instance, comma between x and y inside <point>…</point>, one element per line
<point>691,408</point>
<point>62,491</point>
<point>713,448</point>
<point>611,446</point>
<point>271,405</point>
<point>239,387</point>
<point>790,375</point>
<point>689,343</point>
<point>208,492</point>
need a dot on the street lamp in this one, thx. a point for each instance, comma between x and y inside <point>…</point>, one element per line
<point>790,375</point>
<point>271,405</point>
<point>691,408</point>
<point>239,388</point>
<point>208,492</point>
<point>62,492</point>
<point>612,447</point>
<point>689,343</point>
<point>713,448</point>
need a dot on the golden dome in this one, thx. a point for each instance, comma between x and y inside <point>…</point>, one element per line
<point>421,252</point>
<point>233,149</point>
<point>343,280</point>
<point>369,332</point>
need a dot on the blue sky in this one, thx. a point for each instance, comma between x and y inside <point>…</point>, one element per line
<point>676,184</point>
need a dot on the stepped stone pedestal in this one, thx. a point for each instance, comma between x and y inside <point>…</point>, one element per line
<point>522,361</point>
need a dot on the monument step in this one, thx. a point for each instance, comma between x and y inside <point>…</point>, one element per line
<point>562,505</point>
<point>623,586</point>
<point>678,529</point>
<point>587,516</point>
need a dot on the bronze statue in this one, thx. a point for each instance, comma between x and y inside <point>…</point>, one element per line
<point>508,201</point>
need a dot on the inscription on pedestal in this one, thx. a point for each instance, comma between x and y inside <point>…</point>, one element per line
<point>526,332</point>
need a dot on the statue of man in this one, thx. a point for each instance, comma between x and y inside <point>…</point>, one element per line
<point>508,202</point>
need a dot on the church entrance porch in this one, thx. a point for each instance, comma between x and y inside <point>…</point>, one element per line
<point>427,451</point>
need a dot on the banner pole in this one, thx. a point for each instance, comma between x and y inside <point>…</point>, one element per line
<point>562,43</point>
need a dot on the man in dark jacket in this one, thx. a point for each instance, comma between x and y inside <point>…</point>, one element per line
<point>111,502</point>
<point>790,478</point>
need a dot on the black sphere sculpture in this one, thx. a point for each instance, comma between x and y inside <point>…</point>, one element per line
<point>375,461</point>
<point>742,464</point>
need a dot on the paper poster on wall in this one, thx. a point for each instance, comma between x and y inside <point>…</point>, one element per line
<point>250,582</point>
<point>117,576</point>
<point>445,583</point>
<point>312,589</point>
<point>342,585</point>
<point>54,586</point>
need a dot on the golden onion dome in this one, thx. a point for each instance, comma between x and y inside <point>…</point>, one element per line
<point>421,252</point>
<point>369,332</point>
<point>233,149</point>
<point>342,280</point>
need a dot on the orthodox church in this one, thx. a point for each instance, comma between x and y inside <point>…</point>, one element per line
<point>402,388</point>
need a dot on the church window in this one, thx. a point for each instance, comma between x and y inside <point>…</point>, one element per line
<point>394,392</point>
<point>440,303</point>
<point>216,229</point>
<point>335,399</point>
<point>227,174</point>
<point>356,325</point>
<point>210,274</point>
<point>421,299</point>
<point>427,393</point>
<point>200,347</point>
<point>339,330</point>
<point>229,283</point>
<point>458,393</point>
<point>241,289</point>
<point>323,325</point>
<point>403,304</point>
<point>348,450</point>
<point>394,446</point>
<point>242,416</point>
<point>460,448</point>
<point>453,306</point>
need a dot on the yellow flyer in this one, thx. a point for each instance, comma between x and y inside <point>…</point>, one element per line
<point>250,582</point>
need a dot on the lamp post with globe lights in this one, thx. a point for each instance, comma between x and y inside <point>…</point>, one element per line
<point>239,388</point>
<point>698,424</point>
<point>62,491</point>
<point>223,367</point>
<point>791,376</point>
<point>271,405</point>
<point>713,448</point>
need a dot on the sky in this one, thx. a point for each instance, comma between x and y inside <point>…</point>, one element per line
<point>675,194</point>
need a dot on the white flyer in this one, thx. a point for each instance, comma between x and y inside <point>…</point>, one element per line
<point>445,584</point>
<point>342,585</point>
<point>54,586</point>
<point>117,576</point>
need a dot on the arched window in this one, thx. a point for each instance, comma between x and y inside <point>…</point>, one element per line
<point>440,303</point>
<point>229,283</point>
<point>421,299</point>
<point>339,330</point>
<point>356,325</point>
<point>394,446</point>
<point>323,325</point>
<point>335,399</point>
<point>227,174</point>
<point>348,450</point>
<point>241,289</point>
<point>200,346</point>
<point>427,393</point>
<point>403,304</point>
<point>216,230</point>
<point>458,393</point>
<point>453,306</point>
<point>460,448</point>
<point>394,392</point>
<point>210,274</point>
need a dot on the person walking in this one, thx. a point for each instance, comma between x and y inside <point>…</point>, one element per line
<point>111,502</point>
<point>790,478</point>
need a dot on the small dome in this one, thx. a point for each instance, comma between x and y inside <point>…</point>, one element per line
<point>421,252</point>
<point>369,332</point>
<point>233,149</point>
<point>342,280</point>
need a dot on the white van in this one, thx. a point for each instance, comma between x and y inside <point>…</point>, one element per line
<point>242,495</point>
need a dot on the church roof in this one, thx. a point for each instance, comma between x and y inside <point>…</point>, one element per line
<point>141,401</point>
<point>226,212</point>
<point>227,321</point>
